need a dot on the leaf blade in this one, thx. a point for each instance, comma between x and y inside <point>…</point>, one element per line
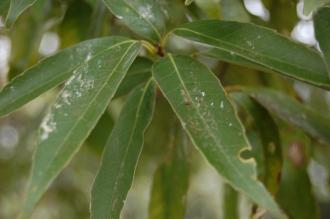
<point>121,154</point>
<point>270,139</point>
<point>17,7</point>
<point>322,33</point>
<point>50,72</point>
<point>251,42</point>
<point>74,114</point>
<point>144,17</point>
<point>290,110</point>
<point>187,86</point>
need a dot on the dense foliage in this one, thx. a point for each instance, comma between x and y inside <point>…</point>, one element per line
<point>142,84</point>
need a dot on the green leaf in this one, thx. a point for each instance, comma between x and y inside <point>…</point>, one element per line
<point>144,17</point>
<point>52,71</point>
<point>261,46</point>
<point>293,112</point>
<point>121,154</point>
<point>171,181</point>
<point>210,120</point>
<point>322,33</point>
<point>270,139</point>
<point>17,7</point>
<point>75,113</point>
<point>139,72</point>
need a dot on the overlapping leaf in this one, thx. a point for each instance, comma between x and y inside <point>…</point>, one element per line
<point>260,46</point>
<point>211,122</point>
<point>144,17</point>
<point>121,154</point>
<point>292,111</point>
<point>322,33</point>
<point>75,113</point>
<point>269,135</point>
<point>17,7</point>
<point>52,71</point>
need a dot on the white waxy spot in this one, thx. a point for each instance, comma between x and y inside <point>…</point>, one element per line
<point>66,97</point>
<point>47,126</point>
<point>221,105</point>
<point>88,57</point>
<point>230,124</point>
<point>50,43</point>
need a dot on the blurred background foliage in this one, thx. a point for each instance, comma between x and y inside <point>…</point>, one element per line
<point>51,25</point>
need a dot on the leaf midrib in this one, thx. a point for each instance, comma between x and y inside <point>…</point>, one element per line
<point>253,60</point>
<point>204,122</point>
<point>122,164</point>
<point>88,107</point>
<point>79,65</point>
<point>142,17</point>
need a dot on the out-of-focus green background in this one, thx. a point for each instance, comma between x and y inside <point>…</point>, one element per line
<point>51,25</point>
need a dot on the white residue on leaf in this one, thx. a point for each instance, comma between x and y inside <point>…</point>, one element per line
<point>48,125</point>
<point>88,57</point>
<point>66,95</point>
<point>221,104</point>
<point>146,12</point>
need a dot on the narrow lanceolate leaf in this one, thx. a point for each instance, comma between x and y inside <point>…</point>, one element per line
<point>290,110</point>
<point>121,154</point>
<point>210,120</point>
<point>17,7</point>
<point>75,113</point>
<point>261,46</point>
<point>144,17</point>
<point>322,33</point>
<point>171,180</point>
<point>52,71</point>
<point>268,132</point>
